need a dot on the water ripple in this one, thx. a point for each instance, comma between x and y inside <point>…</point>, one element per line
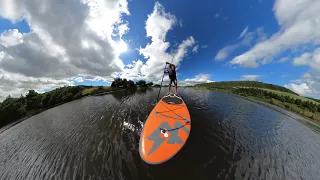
<point>98,138</point>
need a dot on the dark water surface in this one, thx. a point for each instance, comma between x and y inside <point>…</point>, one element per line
<point>98,138</point>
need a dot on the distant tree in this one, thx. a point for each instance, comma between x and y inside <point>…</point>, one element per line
<point>117,82</point>
<point>292,100</point>
<point>45,100</point>
<point>150,83</point>
<point>141,83</point>
<point>33,100</point>
<point>124,82</point>
<point>313,107</point>
<point>22,99</point>
<point>298,102</point>
<point>8,98</point>
<point>113,84</point>
<point>287,98</point>
<point>130,83</point>
<point>11,109</point>
<point>78,95</point>
<point>53,99</point>
<point>306,104</point>
<point>282,98</point>
<point>66,97</point>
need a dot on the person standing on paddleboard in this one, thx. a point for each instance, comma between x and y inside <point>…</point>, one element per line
<point>173,77</point>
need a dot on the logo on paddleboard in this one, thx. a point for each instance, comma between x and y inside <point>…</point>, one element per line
<point>173,138</point>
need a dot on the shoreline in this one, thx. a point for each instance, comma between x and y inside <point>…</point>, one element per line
<point>281,110</point>
<point>7,126</point>
<point>30,114</point>
<point>263,102</point>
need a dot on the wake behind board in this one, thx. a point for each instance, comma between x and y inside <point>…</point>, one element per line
<point>165,131</point>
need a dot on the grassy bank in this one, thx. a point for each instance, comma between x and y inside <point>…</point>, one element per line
<point>272,94</point>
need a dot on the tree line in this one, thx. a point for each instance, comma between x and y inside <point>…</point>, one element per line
<point>311,106</point>
<point>124,83</point>
<point>12,109</point>
<point>230,84</point>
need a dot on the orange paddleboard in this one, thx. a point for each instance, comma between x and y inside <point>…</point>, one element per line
<point>165,131</point>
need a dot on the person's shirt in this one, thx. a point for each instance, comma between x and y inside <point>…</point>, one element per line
<point>172,72</point>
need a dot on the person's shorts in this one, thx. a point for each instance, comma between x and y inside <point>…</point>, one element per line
<point>173,79</point>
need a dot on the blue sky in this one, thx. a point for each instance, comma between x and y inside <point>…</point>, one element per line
<point>268,41</point>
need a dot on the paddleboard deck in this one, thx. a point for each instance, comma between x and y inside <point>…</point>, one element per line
<point>166,130</point>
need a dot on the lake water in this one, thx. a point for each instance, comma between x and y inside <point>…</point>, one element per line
<point>98,138</point>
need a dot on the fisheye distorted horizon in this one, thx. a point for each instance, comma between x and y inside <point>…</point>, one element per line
<point>49,44</point>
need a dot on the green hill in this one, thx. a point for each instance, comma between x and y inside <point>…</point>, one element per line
<point>317,100</point>
<point>231,84</point>
<point>272,94</point>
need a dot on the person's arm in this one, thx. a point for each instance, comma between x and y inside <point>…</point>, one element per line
<point>171,64</point>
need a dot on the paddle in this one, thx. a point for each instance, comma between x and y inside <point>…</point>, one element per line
<point>161,83</point>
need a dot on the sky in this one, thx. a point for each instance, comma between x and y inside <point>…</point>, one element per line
<point>45,44</point>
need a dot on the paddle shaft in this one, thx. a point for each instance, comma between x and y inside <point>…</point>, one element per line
<point>161,83</point>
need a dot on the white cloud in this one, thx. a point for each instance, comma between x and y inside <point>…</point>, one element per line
<point>225,52</point>
<point>195,49</point>
<point>247,38</point>
<point>198,79</point>
<point>129,66</point>
<point>66,40</point>
<point>301,89</point>
<point>123,29</point>
<point>217,15</point>
<point>76,39</point>
<point>134,72</point>
<point>79,79</point>
<point>299,25</point>
<point>307,85</point>
<point>250,77</point>
<point>245,30</point>
<point>98,78</point>
<point>204,46</point>
<point>18,84</point>
<point>158,24</point>
<point>11,37</point>
<point>283,59</point>
<point>307,76</point>
<point>180,23</point>
<point>261,35</point>
<point>310,59</point>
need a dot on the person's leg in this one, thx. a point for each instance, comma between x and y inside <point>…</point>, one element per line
<point>176,86</point>
<point>169,86</point>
